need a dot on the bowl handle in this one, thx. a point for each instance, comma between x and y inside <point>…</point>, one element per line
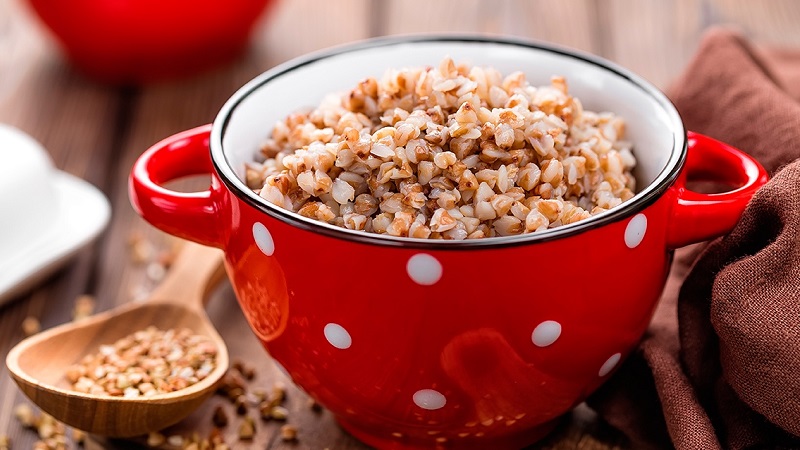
<point>698,217</point>
<point>191,215</point>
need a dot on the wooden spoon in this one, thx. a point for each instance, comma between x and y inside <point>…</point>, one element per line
<point>38,363</point>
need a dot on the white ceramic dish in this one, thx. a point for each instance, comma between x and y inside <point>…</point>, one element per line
<point>46,215</point>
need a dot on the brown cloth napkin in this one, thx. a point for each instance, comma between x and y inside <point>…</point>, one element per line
<point>720,365</point>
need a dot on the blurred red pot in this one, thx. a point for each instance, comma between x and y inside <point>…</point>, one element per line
<point>135,41</point>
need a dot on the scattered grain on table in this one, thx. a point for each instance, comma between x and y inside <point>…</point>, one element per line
<point>25,415</point>
<point>141,250</point>
<point>31,326</point>
<point>247,429</point>
<point>84,307</point>
<point>314,405</point>
<point>175,440</point>
<point>52,434</point>
<point>278,393</point>
<point>289,432</point>
<point>155,439</point>
<point>155,271</point>
<point>78,436</point>
<point>279,413</point>
<point>241,405</point>
<point>247,371</point>
<point>220,417</point>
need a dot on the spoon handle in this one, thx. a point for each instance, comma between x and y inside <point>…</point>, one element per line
<point>192,276</point>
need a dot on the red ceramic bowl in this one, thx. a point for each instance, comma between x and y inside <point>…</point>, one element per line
<point>134,41</point>
<point>443,344</point>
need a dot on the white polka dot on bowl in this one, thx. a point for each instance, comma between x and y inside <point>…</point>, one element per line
<point>263,239</point>
<point>609,365</point>
<point>424,269</point>
<point>634,232</point>
<point>337,336</point>
<point>429,399</point>
<point>546,333</point>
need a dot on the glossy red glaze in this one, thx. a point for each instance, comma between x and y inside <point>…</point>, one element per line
<point>171,159</point>
<point>699,217</point>
<point>422,348</point>
<point>132,41</point>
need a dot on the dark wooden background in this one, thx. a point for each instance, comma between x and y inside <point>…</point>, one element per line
<point>96,132</point>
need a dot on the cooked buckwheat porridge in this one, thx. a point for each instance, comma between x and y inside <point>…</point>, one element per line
<point>451,152</point>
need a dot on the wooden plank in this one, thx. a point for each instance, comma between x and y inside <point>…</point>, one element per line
<point>654,39</point>
<point>770,22</point>
<point>301,26</point>
<point>425,16</point>
<point>22,45</point>
<point>570,23</point>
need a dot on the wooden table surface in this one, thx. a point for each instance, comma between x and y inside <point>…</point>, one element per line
<point>96,132</point>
